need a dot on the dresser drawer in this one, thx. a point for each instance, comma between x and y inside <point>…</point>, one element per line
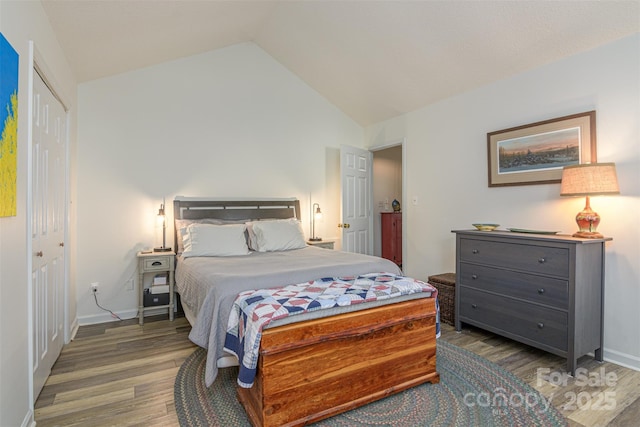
<point>532,258</point>
<point>159,263</point>
<point>531,322</point>
<point>529,287</point>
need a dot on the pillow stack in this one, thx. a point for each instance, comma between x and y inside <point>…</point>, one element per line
<point>211,237</point>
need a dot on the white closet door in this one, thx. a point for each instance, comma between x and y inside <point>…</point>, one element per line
<point>48,230</point>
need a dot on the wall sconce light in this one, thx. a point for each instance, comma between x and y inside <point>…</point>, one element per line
<point>590,179</point>
<point>162,219</point>
<point>317,214</point>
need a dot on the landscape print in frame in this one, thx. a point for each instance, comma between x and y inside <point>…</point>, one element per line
<point>536,153</point>
<point>9,127</point>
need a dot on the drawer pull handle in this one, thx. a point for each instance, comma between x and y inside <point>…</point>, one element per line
<point>541,291</point>
<point>542,260</point>
<point>156,263</point>
<point>474,276</point>
<point>540,325</point>
<point>475,251</point>
<point>474,306</point>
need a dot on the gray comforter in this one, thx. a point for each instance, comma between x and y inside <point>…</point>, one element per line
<point>209,285</point>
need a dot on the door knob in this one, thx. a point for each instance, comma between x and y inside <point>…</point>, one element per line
<point>345,225</point>
<point>39,254</point>
<point>61,244</point>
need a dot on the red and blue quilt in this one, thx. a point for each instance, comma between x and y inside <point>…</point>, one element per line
<point>253,310</point>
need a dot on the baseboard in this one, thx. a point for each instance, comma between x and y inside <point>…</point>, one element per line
<point>623,359</point>
<point>73,329</point>
<point>28,421</point>
<point>126,314</point>
<point>106,317</point>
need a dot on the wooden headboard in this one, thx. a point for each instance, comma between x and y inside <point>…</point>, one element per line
<point>233,210</point>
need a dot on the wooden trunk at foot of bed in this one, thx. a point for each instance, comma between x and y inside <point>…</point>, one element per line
<point>312,370</point>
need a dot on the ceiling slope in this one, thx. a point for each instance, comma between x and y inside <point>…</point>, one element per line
<point>373,59</point>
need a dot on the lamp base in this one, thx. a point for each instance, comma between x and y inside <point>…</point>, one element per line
<point>588,235</point>
<point>315,239</point>
<point>162,249</point>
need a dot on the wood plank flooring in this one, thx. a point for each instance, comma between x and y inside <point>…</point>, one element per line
<point>122,374</point>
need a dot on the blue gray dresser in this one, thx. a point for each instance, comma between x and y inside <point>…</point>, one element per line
<point>543,290</point>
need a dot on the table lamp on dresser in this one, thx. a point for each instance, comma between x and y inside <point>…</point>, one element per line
<point>589,179</point>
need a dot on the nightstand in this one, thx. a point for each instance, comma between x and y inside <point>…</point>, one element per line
<point>155,262</point>
<point>324,244</point>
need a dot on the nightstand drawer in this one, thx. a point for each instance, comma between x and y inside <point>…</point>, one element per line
<point>529,287</point>
<point>533,258</point>
<point>159,263</point>
<point>526,321</point>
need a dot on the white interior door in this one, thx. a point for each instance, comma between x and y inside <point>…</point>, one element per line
<point>49,139</point>
<point>357,220</point>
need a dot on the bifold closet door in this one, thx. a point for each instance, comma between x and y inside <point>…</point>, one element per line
<point>49,139</point>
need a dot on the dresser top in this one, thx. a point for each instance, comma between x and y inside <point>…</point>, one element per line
<point>531,236</point>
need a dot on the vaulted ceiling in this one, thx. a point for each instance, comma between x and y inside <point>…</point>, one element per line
<point>372,59</point>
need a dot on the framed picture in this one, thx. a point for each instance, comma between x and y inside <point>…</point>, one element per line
<point>8,128</point>
<point>537,152</point>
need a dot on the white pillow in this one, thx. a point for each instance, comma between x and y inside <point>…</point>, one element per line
<point>182,224</point>
<point>276,235</point>
<point>215,240</point>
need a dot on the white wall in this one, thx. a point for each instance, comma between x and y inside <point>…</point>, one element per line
<point>446,167</point>
<point>20,22</point>
<point>228,123</point>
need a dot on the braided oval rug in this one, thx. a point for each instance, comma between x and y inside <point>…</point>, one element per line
<point>472,392</point>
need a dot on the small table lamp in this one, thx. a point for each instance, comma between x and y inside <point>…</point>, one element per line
<point>162,220</point>
<point>317,214</point>
<point>590,179</point>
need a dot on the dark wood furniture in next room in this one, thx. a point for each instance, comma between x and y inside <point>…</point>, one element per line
<point>391,237</point>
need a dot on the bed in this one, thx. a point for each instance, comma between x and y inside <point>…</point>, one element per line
<point>320,363</point>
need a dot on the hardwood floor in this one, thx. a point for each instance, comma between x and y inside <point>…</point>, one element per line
<point>121,374</point>
<point>117,374</point>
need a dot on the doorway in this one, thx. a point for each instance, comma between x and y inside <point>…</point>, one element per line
<point>387,185</point>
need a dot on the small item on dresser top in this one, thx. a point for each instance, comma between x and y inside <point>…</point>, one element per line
<point>486,227</point>
<point>395,205</point>
<point>524,230</point>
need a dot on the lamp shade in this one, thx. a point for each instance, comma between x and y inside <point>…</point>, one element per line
<point>589,179</point>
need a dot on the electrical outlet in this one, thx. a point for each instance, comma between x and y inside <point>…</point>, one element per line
<point>94,287</point>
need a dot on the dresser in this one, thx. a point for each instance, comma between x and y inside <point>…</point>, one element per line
<point>543,290</point>
<point>391,236</point>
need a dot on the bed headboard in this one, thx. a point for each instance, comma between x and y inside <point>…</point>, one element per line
<point>199,208</point>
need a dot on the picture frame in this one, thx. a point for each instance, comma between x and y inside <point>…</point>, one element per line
<point>536,153</point>
<point>8,128</point>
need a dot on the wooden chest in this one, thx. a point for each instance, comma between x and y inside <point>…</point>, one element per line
<point>312,370</point>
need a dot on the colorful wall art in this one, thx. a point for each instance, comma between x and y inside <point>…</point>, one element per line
<point>8,127</point>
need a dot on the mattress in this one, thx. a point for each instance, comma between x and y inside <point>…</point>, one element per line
<point>208,286</point>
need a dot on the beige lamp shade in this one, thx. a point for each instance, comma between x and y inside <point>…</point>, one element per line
<point>589,179</point>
